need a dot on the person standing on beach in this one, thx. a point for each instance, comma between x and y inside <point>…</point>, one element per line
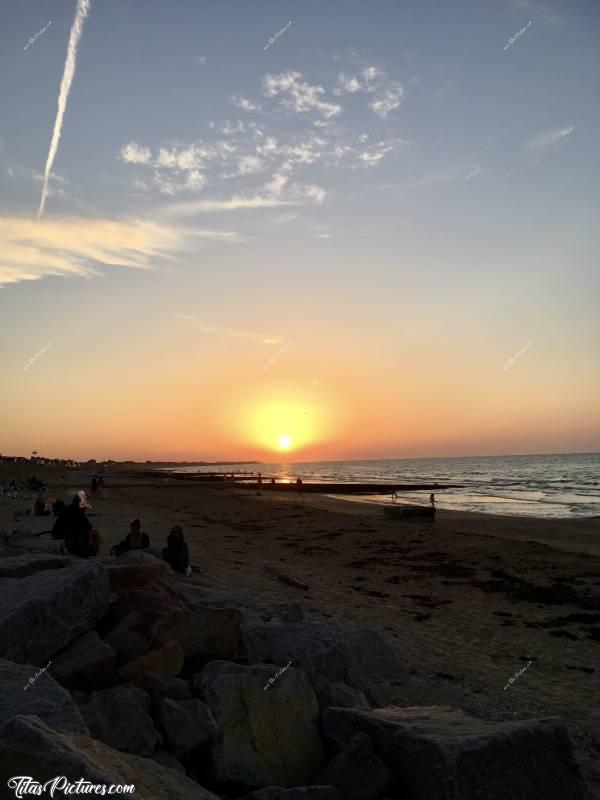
<point>432,500</point>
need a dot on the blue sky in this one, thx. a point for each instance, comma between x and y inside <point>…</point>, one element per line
<point>407,184</point>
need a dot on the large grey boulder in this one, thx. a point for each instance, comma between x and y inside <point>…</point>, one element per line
<point>297,793</point>
<point>23,542</point>
<point>42,613</point>
<point>361,658</point>
<point>132,636</point>
<point>338,694</point>
<point>159,686</point>
<point>265,736</point>
<point>27,690</point>
<point>29,747</point>
<point>86,664</point>
<point>438,753</point>
<point>119,717</point>
<point>209,633</point>
<point>188,724</point>
<point>357,772</point>
<point>28,563</point>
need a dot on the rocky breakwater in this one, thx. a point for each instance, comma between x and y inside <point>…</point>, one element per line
<point>156,682</point>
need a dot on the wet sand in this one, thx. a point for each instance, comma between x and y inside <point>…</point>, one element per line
<point>466,601</point>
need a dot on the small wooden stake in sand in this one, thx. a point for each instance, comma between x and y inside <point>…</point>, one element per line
<point>285,578</point>
<point>292,581</point>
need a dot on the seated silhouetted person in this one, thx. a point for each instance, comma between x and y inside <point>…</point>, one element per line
<point>75,528</point>
<point>136,539</point>
<point>176,551</point>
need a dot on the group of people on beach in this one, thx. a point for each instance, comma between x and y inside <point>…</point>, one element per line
<point>82,539</point>
<point>27,485</point>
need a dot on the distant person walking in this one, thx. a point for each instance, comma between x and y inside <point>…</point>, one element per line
<point>432,500</point>
<point>94,486</point>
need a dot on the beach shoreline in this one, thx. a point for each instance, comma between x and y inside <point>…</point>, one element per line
<point>466,601</point>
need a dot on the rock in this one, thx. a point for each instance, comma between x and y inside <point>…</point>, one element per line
<point>437,752</point>
<point>140,581</point>
<point>86,664</point>
<point>26,690</point>
<point>166,759</point>
<point>29,747</point>
<point>160,686</point>
<point>119,717</point>
<point>28,563</point>
<point>291,612</point>
<point>24,542</point>
<point>136,569</point>
<point>200,596</point>
<point>265,737</point>
<point>188,724</point>
<point>361,658</point>
<point>297,793</point>
<point>167,659</point>
<point>132,636</point>
<point>208,634</point>
<point>340,695</point>
<point>42,613</point>
<point>357,772</point>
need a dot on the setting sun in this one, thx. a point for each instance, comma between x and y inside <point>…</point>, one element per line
<point>284,442</point>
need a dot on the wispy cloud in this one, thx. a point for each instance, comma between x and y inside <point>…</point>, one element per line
<point>299,95</point>
<point>474,172</point>
<point>70,246</point>
<point>194,322</point>
<point>387,94</point>
<point>548,137</point>
<point>81,12</point>
<point>244,104</point>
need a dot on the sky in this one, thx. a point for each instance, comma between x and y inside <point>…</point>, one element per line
<point>300,230</point>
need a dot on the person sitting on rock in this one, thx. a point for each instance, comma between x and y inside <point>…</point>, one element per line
<point>135,539</point>
<point>176,551</point>
<point>76,529</point>
<point>39,506</point>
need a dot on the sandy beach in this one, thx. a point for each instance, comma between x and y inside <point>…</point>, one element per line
<point>467,602</point>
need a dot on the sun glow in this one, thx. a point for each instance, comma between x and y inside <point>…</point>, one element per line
<point>284,442</point>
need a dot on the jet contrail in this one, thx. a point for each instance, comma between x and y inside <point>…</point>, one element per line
<point>83,6</point>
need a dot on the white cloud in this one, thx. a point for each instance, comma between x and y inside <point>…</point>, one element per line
<point>194,323</point>
<point>545,138</point>
<point>132,153</point>
<point>388,95</point>
<point>244,104</point>
<point>299,95</point>
<point>475,171</point>
<point>200,59</point>
<point>30,250</point>
<point>388,100</point>
<point>249,164</point>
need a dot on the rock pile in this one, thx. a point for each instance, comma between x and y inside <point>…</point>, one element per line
<point>165,685</point>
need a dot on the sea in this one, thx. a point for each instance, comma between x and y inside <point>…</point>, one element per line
<point>553,486</point>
